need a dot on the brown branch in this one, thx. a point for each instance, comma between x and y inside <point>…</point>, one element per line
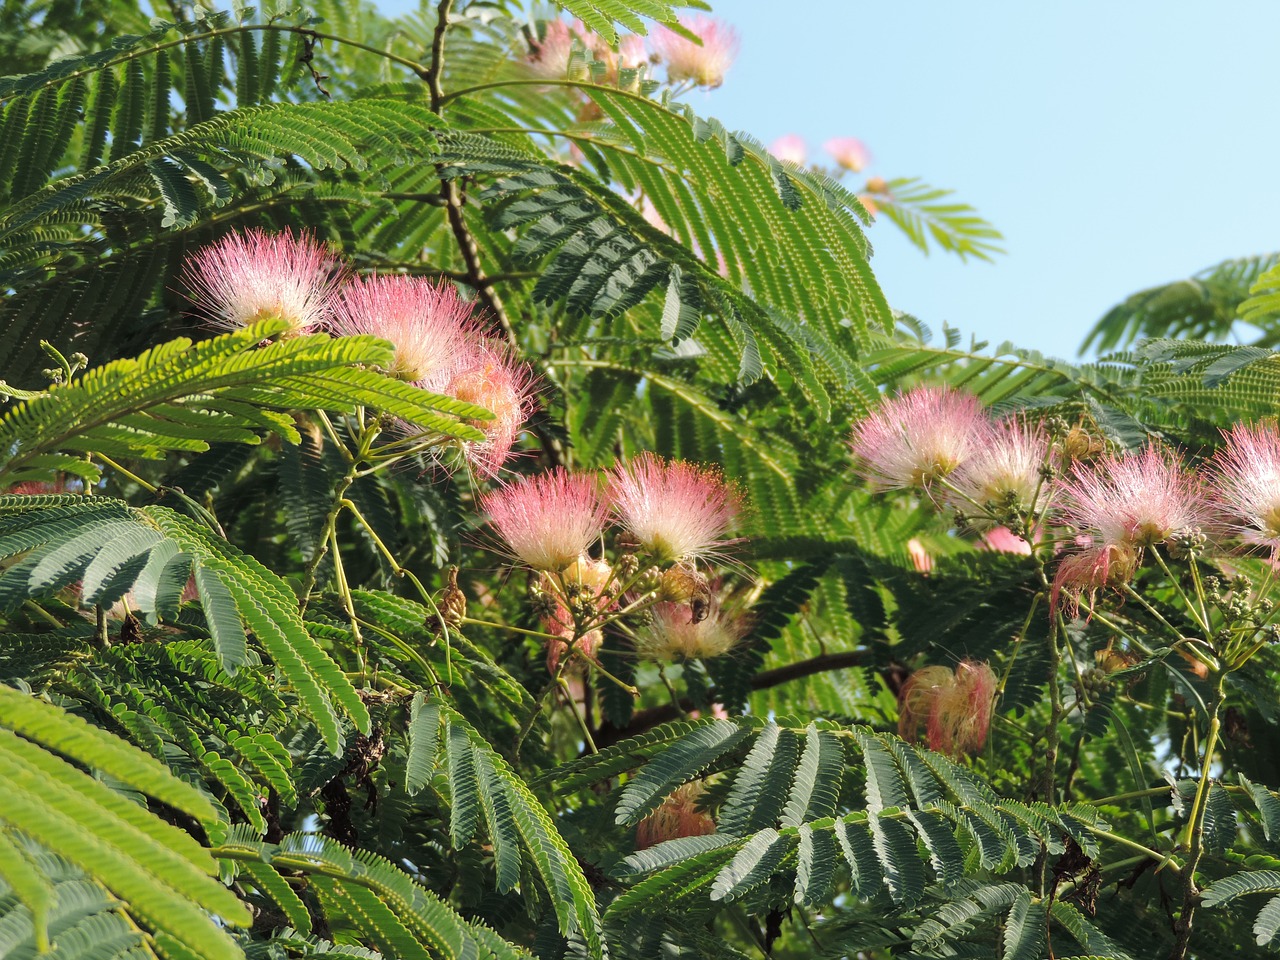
<point>453,199</point>
<point>646,719</point>
<point>436,71</point>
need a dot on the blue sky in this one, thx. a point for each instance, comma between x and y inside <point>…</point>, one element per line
<point>1115,145</point>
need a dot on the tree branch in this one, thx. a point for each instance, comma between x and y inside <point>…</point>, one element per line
<point>436,71</point>
<point>645,719</point>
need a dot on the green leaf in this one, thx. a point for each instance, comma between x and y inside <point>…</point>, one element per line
<point>1267,923</point>
<point>424,736</point>
<point>895,847</point>
<point>816,787</point>
<point>79,740</point>
<point>675,765</point>
<point>1239,885</point>
<point>223,617</point>
<point>815,866</point>
<point>1268,805</point>
<point>751,865</point>
<point>1025,930</point>
<point>759,787</point>
<point>30,885</point>
<point>885,787</point>
<point>860,854</point>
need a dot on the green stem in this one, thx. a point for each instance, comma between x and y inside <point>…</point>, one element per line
<point>1134,845</point>
<point>348,602</point>
<point>399,571</point>
<point>1194,837</point>
<point>1017,643</point>
<point>1134,594</point>
<point>1200,620</point>
<point>572,704</point>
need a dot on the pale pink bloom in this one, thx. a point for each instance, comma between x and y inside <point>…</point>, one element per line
<point>252,276</point>
<point>848,152</point>
<point>676,510</point>
<point>920,558</point>
<point>1003,472</point>
<point>679,816</point>
<point>955,709</point>
<point>34,488</point>
<point>1083,573</point>
<point>488,377</point>
<point>705,65</point>
<point>550,519</point>
<point>869,203</point>
<point>964,710</point>
<point>717,711</point>
<point>549,57</point>
<point>673,634</point>
<point>918,437</point>
<point>588,575</point>
<point>1246,483</point>
<point>652,216</point>
<point>584,652</point>
<point>1004,540</point>
<point>427,322</point>
<point>632,52</point>
<point>1133,501</point>
<point>917,699</point>
<point>790,147</point>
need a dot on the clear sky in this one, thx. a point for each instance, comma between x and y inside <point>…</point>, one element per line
<point>1116,145</point>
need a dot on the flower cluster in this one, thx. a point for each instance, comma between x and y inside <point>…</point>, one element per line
<point>704,64</point>
<point>951,711</point>
<point>848,153</point>
<point>440,344</point>
<point>551,54</point>
<point>1020,486</point>
<point>679,816</point>
<point>668,517</point>
<point>1159,529</point>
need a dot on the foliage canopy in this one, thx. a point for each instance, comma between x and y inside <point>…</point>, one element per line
<point>267,688</point>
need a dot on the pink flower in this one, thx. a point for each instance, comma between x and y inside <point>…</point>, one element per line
<point>678,816</point>
<point>673,634</point>
<point>252,276</point>
<point>489,378</point>
<point>918,698</point>
<point>1132,501</point>
<point>790,147</point>
<point>34,488</point>
<point>1089,570</point>
<point>1003,474</point>
<point>548,520</point>
<point>584,652</point>
<point>428,323</point>
<point>954,708</point>
<point>848,153</point>
<point>632,52</point>
<point>705,65</point>
<point>549,57</point>
<point>1004,540</point>
<point>920,558</point>
<point>918,437</point>
<point>676,510</point>
<point>1246,483</point>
